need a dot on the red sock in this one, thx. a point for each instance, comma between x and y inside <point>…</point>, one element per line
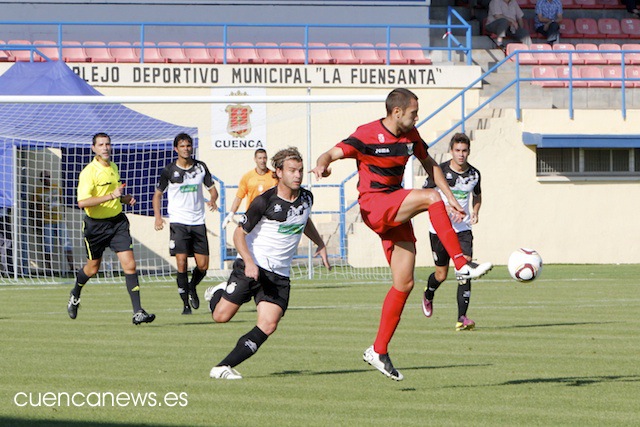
<point>391,311</point>
<point>442,224</point>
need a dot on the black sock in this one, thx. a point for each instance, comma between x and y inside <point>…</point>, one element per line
<point>215,299</point>
<point>81,280</point>
<point>245,348</point>
<point>196,277</point>
<point>464,294</point>
<point>432,285</point>
<point>133,286</point>
<point>183,284</point>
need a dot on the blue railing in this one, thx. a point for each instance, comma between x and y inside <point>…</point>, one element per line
<point>301,31</point>
<point>518,80</point>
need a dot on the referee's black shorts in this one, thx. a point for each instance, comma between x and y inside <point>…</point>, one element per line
<point>440,255</point>
<point>188,239</point>
<point>103,233</point>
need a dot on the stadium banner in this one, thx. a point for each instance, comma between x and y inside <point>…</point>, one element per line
<point>238,126</point>
<point>261,75</point>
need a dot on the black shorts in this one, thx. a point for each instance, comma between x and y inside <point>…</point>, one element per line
<point>270,287</point>
<point>100,234</point>
<point>441,257</point>
<point>188,239</point>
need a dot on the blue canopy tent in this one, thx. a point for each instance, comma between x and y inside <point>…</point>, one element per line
<point>57,137</point>
<point>141,143</point>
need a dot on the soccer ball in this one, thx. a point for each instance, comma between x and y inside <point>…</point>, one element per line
<point>525,265</point>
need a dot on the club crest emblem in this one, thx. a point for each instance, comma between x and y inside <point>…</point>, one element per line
<point>239,124</point>
<point>410,149</point>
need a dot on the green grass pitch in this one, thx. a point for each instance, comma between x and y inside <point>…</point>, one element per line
<point>563,350</point>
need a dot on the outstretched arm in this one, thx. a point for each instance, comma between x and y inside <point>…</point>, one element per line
<point>322,169</point>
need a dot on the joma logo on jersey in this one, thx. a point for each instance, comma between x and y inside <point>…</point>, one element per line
<point>382,150</point>
<point>189,188</point>
<point>291,229</point>
<point>239,124</point>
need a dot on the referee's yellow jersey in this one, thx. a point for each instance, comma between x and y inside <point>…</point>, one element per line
<point>98,180</point>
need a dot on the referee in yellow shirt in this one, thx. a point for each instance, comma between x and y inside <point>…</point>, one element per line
<point>101,195</point>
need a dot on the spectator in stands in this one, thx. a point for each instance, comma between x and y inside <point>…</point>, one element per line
<point>183,179</point>
<point>548,18</point>
<point>505,20</point>
<point>252,184</point>
<point>632,7</point>
<point>48,198</point>
<point>101,195</point>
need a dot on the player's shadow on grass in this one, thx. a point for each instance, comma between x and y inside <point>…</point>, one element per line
<point>548,325</point>
<point>575,381</point>
<point>19,422</point>
<point>370,369</point>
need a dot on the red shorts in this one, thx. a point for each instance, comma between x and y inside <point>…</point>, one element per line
<point>379,211</point>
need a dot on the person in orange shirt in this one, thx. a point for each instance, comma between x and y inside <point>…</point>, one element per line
<point>252,184</point>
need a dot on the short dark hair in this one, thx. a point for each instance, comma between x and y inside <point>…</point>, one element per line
<point>399,97</point>
<point>182,137</point>
<point>289,153</point>
<point>459,138</point>
<point>99,135</point>
<point>258,151</point>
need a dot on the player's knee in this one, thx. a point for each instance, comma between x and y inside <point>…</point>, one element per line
<point>268,327</point>
<point>441,276</point>
<point>432,196</point>
<point>220,317</point>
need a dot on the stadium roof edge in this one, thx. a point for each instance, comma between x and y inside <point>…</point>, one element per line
<point>580,141</point>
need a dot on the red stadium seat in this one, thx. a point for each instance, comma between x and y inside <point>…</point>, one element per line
<point>592,72</point>
<point>150,54</point>
<point>568,29</point>
<point>545,54</point>
<point>544,72</point>
<point>614,71</point>
<point>197,53</point>
<point>631,58</point>
<point>563,72</point>
<point>590,58</point>
<point>414,53</point>
<point>74,52</point>
<point>612,57</point>
<point>570,4</point>
<point>21,54</point>
<point>293,52</point>
<point>366,53</point>
<point>610,27</point>
<point>561,50</point>
<point>98,52</point>
<point>610,4</point>
<point>342,53</point>
<point>630,27</point>
<point>318,54</point>
<point>123,52</point>
<point>48,48</point>
<point>246,53</point>
<point>588,4</point>
<point>633,72</point>
<point>392,51</point>
<point>270,53</point>
<point>173,52</point>
<point>525,58</point>
<point>588,27</point>
<point>217,52</point>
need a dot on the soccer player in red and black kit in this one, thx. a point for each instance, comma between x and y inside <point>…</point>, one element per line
<point>381,149</point>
